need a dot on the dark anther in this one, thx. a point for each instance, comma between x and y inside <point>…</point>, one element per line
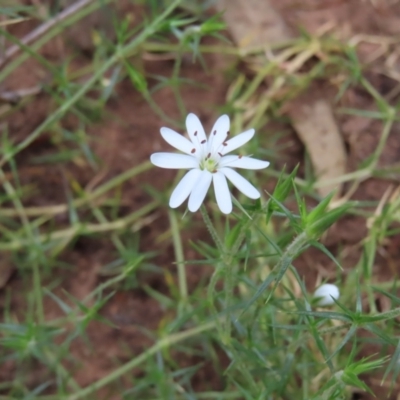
<point>225,144</point>
<point>193,151</point>
<point>220,154</point>
<point>228,133</point>
<point>240,156</point>
<point>203,141</point>
<point>195,134</point>
<point>214,133</point>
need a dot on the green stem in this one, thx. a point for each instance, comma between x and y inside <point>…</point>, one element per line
<point>54,363</point>
<point>157,109</point>
<point>211,296</point>
<point>391,314</point>
<point>230,273</point>
<point>157,47</point>
<point>225,268</point>
<point>382,142</point>
<point>180,259</point>
<point>221,269</point>
<point>287,258</point>
<point>175,83</point>
<point>211,229</point>
<point>37,290</point>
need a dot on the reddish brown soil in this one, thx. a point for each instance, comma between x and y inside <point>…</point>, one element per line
<point>132,134</point>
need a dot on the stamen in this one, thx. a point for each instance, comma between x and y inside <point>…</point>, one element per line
<point>214,170</point>
<point>203,141</point>
<point>195,134</point>
<point>215,132</point>
<point>193,151</point>
<point>240,156</point>
<point>225,144</point>
<point>220,154</point>
<point>228,133</point>
<point>208,155</point>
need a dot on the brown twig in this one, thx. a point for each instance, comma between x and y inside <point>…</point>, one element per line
<point>14,97</point>
<point>41,29</point>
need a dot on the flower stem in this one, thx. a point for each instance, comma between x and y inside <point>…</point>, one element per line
<point>180,260</point>
<point>211,229</point>
<point>292,250</point>
<point>224,268</point>
<point>220,267</point>
<point>290,253</point>
<point>227,265</point>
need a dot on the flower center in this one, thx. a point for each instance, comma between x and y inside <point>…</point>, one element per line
<point>209,164</point>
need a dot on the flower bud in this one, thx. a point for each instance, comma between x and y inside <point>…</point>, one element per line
<point>325,294</point>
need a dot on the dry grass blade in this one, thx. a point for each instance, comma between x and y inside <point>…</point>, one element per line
<point>259,24</point>
<point>253,23</point>
<point>315,124</point>
<point>42,29</point>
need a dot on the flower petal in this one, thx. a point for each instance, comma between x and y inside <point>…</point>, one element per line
<point>237,141</point>
<point>195,130</point>
<point>243,162</point>
<point>184,188</point>
<point>200,190</point>
<point>241,183</point>
<point>219,133</point>
<point>173,161</point>
<point>176,140</point>
<point>222,193</point>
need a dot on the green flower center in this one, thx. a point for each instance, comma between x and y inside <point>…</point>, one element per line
<point>209,164</point>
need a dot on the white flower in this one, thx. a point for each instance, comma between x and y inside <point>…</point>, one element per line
<point>325,294</point>
<point>207,161</point>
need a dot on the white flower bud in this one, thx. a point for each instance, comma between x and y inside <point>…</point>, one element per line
<point>325,294</point>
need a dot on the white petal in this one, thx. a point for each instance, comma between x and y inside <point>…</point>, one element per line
<point>176,140</point>
<point>241,183</point>
<point>222,193</point>
<point>184,188</point>
<point>200,190</point>
<point>243,162</point>
<point>237,141</point>
<point>173,161</point>
<point>219,132</point>
<point>195,129</point>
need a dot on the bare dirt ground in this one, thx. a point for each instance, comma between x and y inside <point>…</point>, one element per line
<point>132,134</point>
